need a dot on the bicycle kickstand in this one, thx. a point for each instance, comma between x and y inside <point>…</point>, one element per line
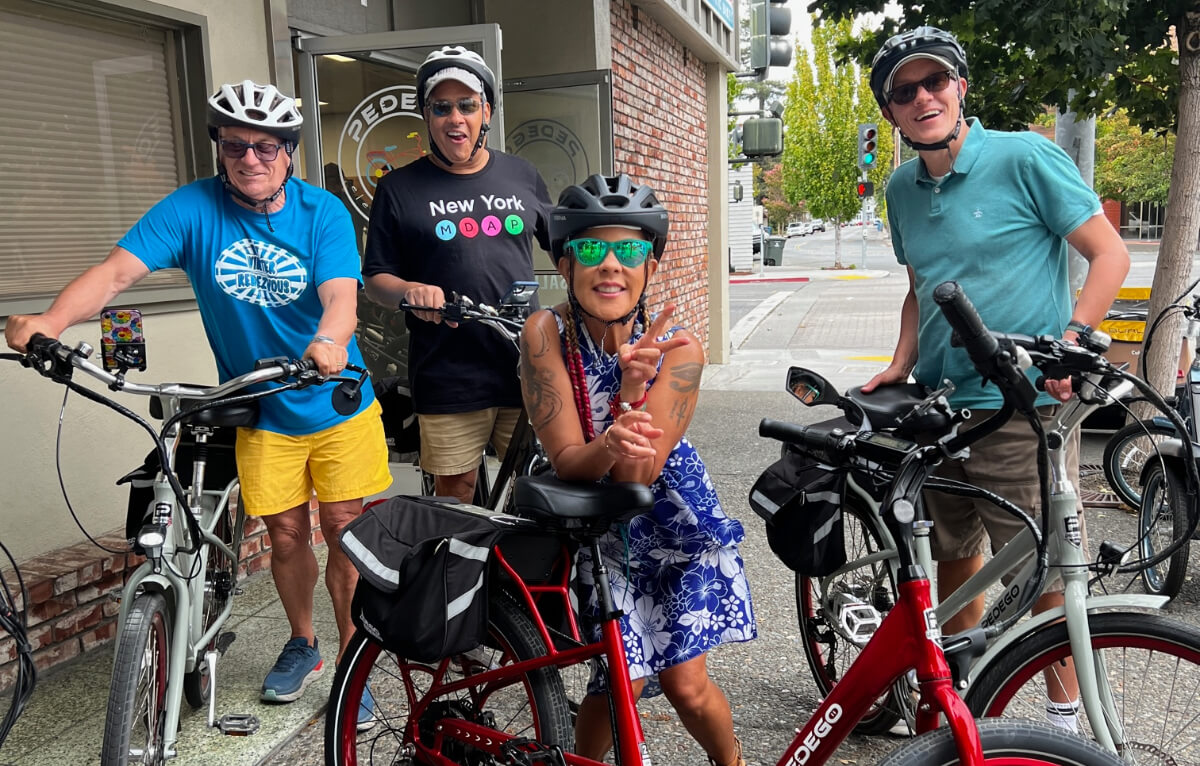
<point>233,724</point>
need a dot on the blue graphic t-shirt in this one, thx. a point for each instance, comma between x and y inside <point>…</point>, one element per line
<point>257,288</point>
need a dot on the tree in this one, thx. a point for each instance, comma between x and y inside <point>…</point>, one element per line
<point>778,210</point>
<point>825,104</point>
<point>1082,56</point>
<point>1131,165</point>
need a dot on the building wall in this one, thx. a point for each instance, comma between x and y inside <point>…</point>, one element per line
<point>659,115</point>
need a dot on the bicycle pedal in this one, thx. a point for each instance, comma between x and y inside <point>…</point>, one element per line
<point>238,724</point>
<point>528,752</point>
<point>224,640</point>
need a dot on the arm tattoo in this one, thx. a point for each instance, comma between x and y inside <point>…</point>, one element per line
<point>685,378</point>
<point>541,400</point>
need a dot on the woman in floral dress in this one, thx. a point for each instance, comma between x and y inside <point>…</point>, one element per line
<point>610,391</point>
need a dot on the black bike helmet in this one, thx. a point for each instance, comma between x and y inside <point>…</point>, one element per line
<point>607,201</point>
<point>456,57</point>
<point>922,42</point>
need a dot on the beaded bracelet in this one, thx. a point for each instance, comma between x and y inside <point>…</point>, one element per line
<point>624,406</point>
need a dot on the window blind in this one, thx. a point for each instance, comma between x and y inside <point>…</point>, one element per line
<point>88,142</point>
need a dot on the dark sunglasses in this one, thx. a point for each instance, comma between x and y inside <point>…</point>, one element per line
<point>934,83</point>
<point>592,252</point>
<point>443,107</point>
<point>235,150</point>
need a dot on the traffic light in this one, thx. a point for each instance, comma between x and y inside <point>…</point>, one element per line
<point>762,137</point>
<point>865,189</point>
<point>868,141</point>
<point>770,21</point>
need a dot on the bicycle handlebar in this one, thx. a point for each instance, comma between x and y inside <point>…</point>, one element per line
<point>507,319</point>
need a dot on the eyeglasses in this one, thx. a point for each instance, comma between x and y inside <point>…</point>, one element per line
<point>934,83</point>
<point>235,150</point>
<point>592,252</point>
<point>443,107</point>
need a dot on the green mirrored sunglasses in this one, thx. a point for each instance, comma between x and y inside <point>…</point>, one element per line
<point>591,252</point>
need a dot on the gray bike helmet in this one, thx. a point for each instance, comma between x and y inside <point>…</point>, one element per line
<point>607,201</point>
<point>922,42</point>
<point>261,107</point>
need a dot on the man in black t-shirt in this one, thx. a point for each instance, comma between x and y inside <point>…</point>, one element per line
<point>461,220</point>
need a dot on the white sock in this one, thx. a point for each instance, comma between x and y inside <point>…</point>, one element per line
<point>1064,715</point>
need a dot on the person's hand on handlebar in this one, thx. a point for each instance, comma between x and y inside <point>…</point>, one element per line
<point>431,296</point>
<point>329,356</point>
<point>1061,389</point>
<point>20,328</point>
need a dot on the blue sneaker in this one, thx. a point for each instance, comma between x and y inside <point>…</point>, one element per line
<point>366,710</point>
<point>298,666</point>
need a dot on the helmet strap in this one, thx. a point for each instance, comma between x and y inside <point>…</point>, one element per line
<point>259,204</point>
<point>578,307</point>
<point>945,142</point>
<point>437,151</point>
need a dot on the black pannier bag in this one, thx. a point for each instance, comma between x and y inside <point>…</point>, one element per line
<point>801,501</point>
<point>423,590</point>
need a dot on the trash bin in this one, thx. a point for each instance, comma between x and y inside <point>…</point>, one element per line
<point>774,254</point>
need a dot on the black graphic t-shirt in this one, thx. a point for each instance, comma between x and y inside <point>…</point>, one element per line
<point>471,234</point>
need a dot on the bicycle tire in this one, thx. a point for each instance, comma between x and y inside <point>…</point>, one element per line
<point>1163,519</point>
<point>1005,743</point>
<point>829,651</point>
<point>135,717</point>
<point>1151,663</point>
<point>536,708</point>
<point>1125,456</point>
<point>220,582</point>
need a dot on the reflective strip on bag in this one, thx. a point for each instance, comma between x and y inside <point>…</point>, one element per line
<point>459,605</point>
<point>354,548</point>
<point>468,551</point>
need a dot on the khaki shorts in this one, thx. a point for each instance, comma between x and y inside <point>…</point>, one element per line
<point>453,444</point>
<point>344,462</point>
<point>1004,462</point>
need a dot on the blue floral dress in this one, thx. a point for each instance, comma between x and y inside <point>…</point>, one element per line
<point>675,571</point>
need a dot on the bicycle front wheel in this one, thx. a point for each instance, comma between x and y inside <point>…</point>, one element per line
<point>1125,455</point>
<point>133,726</point>
<point>1005,743</point>
<point>1163,519</point>
<point>408,702</point>
<point>1149,664</point>
<point>838,614</point>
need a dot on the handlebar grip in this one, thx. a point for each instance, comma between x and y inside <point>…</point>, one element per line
<point>963,317</point>
<point>803,436</point>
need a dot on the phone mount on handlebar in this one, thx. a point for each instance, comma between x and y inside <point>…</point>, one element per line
<point>348,394</point>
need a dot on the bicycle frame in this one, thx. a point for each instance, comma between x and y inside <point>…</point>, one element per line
<point>177,574</point>
<point>907,638</point>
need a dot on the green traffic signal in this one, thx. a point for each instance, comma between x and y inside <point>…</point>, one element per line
<point>868,159</point>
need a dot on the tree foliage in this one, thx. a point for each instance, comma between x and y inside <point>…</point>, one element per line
<point>779,211</point>
<point>826,102</point>
<point>1131,165</point>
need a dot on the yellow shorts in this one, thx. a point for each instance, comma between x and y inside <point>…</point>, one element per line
<point>347,461</point>
<point>453,444</point>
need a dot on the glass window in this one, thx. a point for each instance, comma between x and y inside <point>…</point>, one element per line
<point>90,139</point>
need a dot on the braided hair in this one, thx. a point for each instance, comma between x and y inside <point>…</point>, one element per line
<point>574,360</point>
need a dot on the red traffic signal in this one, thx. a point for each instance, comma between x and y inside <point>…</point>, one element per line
<point>865,189</point>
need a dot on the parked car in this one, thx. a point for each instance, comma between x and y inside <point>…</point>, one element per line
<point>796,229</point>
<point>817,224</point>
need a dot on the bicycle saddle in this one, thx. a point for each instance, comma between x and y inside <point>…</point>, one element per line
<point>885,406</point>
<point>550,500</point>
<point>223,416</point>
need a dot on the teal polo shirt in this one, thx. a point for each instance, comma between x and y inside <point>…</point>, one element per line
<point>997,225</point>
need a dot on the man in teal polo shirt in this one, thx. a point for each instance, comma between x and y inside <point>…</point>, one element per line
<point>992,211</point>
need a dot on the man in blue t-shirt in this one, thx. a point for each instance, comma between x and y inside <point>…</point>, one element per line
<point>464,220</point>
<point>992,211</point>
<point>275,270</point>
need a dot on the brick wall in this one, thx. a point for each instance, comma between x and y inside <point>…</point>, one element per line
<point>659,113</point>
<point>73,595</point>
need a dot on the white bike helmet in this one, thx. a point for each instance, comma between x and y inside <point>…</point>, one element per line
<point>455,57</point>
<point>262,107</point>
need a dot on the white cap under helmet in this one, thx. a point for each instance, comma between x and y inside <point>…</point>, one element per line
<point>453,73</point>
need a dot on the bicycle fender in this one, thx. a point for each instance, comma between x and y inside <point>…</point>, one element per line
<point>1122,602</point>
